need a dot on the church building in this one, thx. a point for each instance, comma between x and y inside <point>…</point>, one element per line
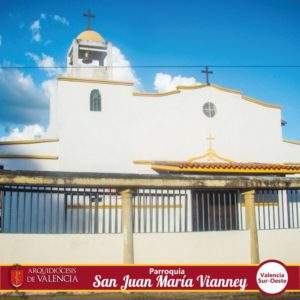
<point>139,139</point>
<point>98,124</point>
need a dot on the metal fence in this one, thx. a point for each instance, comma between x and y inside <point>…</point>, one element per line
<point>44,209</point>
<point>277,209</point>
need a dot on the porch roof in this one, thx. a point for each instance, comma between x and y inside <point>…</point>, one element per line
<point>221,167</point>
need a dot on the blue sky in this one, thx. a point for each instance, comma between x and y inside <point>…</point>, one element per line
<point>157,32</point>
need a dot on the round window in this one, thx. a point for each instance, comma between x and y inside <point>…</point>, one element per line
<point>209,109</point>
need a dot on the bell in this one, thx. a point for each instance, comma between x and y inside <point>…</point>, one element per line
<point>86,59</point>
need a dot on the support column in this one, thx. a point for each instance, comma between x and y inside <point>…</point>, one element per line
<point>249,198</point>
<point>128,252</point>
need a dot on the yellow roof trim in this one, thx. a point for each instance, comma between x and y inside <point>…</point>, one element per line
<point>259,102</point>
<point>28,156</point>
<point>200,86</point>
<point>211,155</point>
<point>22,142</point>
<point>144,94</point>
<point>190,87</point>
<point>143,162</point>
<point>221,88</point>
<point>91,80</point>
<point>221,170</point>
<point>292,142</point>
<point>249,99</point>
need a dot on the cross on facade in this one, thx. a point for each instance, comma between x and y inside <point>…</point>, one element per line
<point>89,16</point>
<point>210,140</point>
<point>207,73</point>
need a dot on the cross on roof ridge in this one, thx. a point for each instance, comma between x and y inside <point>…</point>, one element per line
<point>207,73</point>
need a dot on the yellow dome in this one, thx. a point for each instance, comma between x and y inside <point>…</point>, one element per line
<point>90,35</point>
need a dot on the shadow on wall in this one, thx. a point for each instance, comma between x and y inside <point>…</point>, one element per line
<point>29,164</point>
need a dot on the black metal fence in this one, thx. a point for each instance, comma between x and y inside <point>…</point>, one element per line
<point>36,209</point>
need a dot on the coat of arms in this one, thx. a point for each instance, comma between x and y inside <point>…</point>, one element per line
<point>16,276</point>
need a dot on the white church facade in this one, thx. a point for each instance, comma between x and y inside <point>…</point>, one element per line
<point>98,124</point>
<point>102,125</point>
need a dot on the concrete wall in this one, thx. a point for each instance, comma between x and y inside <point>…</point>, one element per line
<point>165,248</point>
<point>193,248</point>
<point>60,249</point>
<point>282,244</point>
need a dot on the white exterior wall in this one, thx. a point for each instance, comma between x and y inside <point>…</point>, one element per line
<point>60,248</point>
<point>291,152</point>
<point>193,248</point>
<point>167,248</point>
<point>283,245</point>
<point>162,128</point>
<point>42,149</point>
<point>30,164</point>
<point>172,127</point>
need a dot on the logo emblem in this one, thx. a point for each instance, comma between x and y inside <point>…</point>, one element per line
<point>272,277</point>
<point>16,276</point>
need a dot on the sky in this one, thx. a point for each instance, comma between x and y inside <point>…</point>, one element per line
<point>227,35</point>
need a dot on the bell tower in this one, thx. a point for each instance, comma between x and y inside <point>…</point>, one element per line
<point>89,55</point>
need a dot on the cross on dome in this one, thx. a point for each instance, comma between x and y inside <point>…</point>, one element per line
<point>88,14</point>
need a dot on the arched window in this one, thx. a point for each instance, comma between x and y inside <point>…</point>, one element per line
<point>95,100</point>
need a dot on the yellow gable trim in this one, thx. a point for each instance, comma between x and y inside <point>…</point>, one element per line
<point>249,99</point>
<point>21,142</point>
<point>190,87</point>
<point>91,80</point>
<point>28,156</point>
<point>259,102</point>
<point>201,86</point>
<point>144,94</point>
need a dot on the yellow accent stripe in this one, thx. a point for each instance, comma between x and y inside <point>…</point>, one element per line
<point>92,290</point>
<point>28,156</point>
<point>259,102</point>
<point>250,99</point>
<point>200,86</point>
<point>223,170</point>
<point>21,142</point>
<point>107,206</point>
<point>190,87</point>
<point>211,155</point>
<point>91,80</point>
<point>134,265</point>
<point>292,142</point>
<point>261,204</point>
<point>142,94</point>
<point>143,162</point>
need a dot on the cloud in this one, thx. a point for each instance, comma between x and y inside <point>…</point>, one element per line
<point>49,87</point>
<point>22,102</point>
<point>61,20</point>
<point>46,62</point>
<point>28,132</point>
<point>35,28</point>
<point>164,82</point>
<point>123,69</point>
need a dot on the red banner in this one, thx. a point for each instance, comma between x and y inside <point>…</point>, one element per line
<point>271,277</point>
